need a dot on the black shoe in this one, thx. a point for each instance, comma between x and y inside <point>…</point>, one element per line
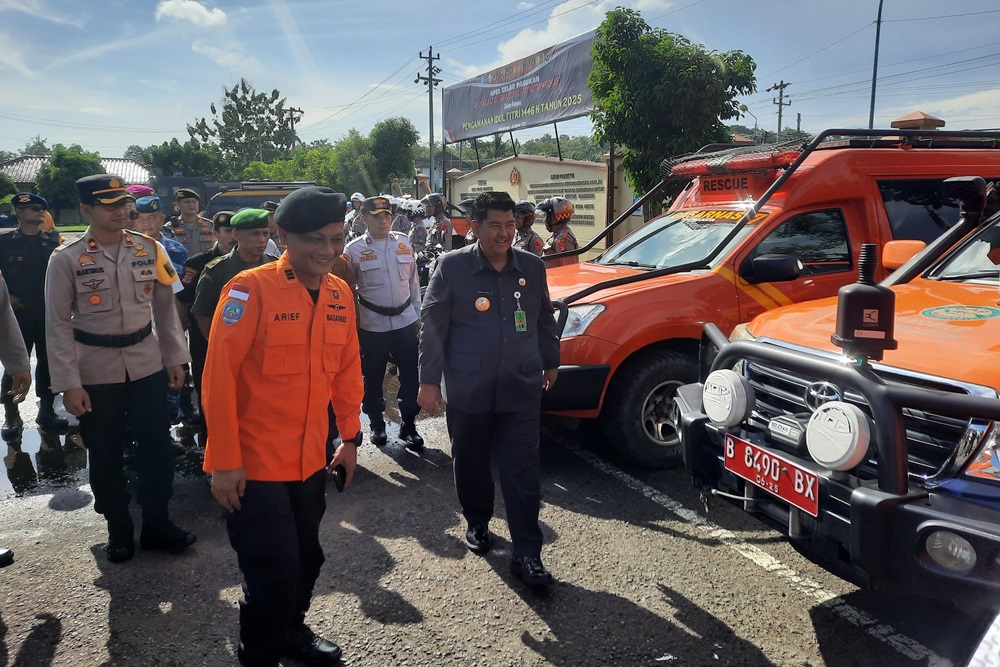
<point>379,438</point>
<point>478,538</point>
<point>530,570</point>
<point>309,648</point>
<point>411,439</point>
<point>6,556</point>
<point>165,536</point>
<point>121,542</point>
<point>119,552</point>
<point>48,419</point>
<point>12,426</point>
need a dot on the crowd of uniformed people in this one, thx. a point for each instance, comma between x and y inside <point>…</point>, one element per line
<point>267,331</point>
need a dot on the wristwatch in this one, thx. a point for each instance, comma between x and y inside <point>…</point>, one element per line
<point>356,440</point>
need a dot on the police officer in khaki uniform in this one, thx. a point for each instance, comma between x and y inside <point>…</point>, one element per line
<point>190,229</point>
<point>388,289</point>
<point>104,294</point>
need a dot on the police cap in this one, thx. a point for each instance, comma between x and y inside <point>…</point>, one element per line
<point>467,206</point>
<point>270,206</point>
<point>222,219</point>
<point>310,208</point>
<point>376,205</point>
<point>28,199</point>
<point>101,189</point>
<point>186,193</point>
<point>148,205</point>
<point>249,218</point>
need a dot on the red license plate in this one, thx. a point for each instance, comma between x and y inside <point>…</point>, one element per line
<point>775,474</point>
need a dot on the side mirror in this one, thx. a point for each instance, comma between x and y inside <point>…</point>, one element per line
<point>897,253</point>
<point>771,269</point>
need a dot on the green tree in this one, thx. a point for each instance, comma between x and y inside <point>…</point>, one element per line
<point>7,155</point>
<point>354,165</point>
<point>7,186</point>
<point>249,126</point>
<point>574,148</point>
<point>57,180</point>
<point>658,95</point>
<point>191,158</point>
<point>392,143</point>
<point>36,146</point>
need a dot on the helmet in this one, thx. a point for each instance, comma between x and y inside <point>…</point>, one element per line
<point>555,210</point>
<point>357,196</point>
<point>432,201</point>
<point>525,208</point>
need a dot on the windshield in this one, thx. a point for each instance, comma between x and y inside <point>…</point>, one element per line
<point>976,259</point>
<point>677,238</point>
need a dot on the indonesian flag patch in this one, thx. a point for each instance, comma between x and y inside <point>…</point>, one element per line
<point>238,291</point>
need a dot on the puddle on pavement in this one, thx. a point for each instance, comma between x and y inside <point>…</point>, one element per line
<point>43,459</point>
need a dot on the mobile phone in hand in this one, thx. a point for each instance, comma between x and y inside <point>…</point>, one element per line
<point>339,477</point>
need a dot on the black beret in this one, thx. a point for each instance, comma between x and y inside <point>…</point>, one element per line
<point>310,208</point>
<point>28,199</point>
<point>271,206</point>
<point>223,219</point>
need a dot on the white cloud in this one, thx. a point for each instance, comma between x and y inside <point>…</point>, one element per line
<point>10,57</point>
<point>40,10</point>
<point>233,59</point>
<point>522,6</point>
<point>567,19</point>
<point>190,10</point>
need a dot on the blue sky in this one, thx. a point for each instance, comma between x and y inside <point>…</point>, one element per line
<point>110,74</point>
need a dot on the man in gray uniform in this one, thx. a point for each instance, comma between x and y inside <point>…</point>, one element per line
<point>14,357</point>
<point>388,289</point>
<point>489,330</point>
<point>104,293</point>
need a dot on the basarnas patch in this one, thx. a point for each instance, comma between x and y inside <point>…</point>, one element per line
<point>232,312</point>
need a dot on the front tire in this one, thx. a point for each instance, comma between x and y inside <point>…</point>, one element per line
<point>639,416</point>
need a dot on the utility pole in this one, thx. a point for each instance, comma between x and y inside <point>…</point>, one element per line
<point>798,122</point>
<point>431,82</point>
<point>780,101</point>
<point>878,33</point>
<point>291,123</point>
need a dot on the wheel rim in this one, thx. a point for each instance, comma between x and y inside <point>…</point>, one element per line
<point>659,414</point>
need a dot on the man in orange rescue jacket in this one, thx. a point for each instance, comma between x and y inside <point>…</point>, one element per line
<point>283,345</point>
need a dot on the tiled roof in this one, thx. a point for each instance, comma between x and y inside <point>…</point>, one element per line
<point>25,169</point>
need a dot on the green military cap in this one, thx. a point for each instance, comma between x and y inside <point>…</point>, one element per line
<point>249,218</point>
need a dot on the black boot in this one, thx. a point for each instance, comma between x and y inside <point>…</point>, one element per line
<point>411,439</point>
<point>47,417</point>
<point>121,539</point>
<point>379,437</point>
<point>12,423</point>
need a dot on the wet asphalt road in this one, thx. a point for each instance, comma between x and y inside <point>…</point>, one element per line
<point>645,577</point>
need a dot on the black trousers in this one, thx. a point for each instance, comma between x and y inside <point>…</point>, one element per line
<point>199,350</point>
<point>512,439</point>
<point>143,405</point>
<point>276,537</point>
<point>376,348</point>
<point>32,326</point>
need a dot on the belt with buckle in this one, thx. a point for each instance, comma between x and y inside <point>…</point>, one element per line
<point>387,312</point>
<point>105,340</point>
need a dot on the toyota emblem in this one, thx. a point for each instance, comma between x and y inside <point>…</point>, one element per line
<point>818,393</point>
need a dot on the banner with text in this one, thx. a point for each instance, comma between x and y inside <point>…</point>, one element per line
<point>542,88</point>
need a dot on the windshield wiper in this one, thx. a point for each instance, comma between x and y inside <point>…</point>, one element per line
<point>972,275</point>
<point>632,263</point>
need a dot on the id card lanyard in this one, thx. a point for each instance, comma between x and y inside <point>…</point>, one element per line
<point>520,319</point>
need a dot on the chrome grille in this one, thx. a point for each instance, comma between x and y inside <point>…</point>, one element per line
<point>931,438</point>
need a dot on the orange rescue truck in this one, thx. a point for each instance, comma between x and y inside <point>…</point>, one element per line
<point>755,228</point>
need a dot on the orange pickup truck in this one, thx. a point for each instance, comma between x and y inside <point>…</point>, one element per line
<point>755,228</point>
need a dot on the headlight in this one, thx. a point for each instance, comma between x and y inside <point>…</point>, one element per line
<point>741,332</point>
<point>986,463</point>
<point>950,551</point>
<point>579,319</point>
